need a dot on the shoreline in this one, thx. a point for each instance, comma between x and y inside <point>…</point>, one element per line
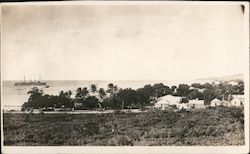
<point>80,112</point>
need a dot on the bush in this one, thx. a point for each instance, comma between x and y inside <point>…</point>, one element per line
<point>92,128</point>
<point>124,140</point>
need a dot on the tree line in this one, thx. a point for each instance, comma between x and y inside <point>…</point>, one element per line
<point>117,98</point>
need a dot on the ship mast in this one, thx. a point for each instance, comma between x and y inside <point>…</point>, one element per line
<point>24,78</point>
<point>40,77</point>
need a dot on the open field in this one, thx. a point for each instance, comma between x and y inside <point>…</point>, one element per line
<point>211,126</point>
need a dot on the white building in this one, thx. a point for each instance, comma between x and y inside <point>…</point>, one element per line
<point>183,106</point>
<point>201,90</point>
<point>238,100</point>
<point>216,102</point>
<point>226,103</point>
<point>36,111</point>
<point>198,104</point>
<point>233,83</point>
<point>77,104</point>
<point>167,101</point>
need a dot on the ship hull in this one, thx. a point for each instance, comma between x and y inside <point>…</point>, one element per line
<point>30,84</point>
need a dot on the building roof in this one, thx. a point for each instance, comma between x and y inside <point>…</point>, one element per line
<point>233,83</point>
<point>183,104</point>
<point>238,96</point>
<point>168,99</point>
<point>191,88</point>
<point>216,100</point>
<point>196,101</point>
<point>201,90</point>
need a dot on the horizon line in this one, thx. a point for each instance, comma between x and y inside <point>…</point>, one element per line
<point>198,78</point>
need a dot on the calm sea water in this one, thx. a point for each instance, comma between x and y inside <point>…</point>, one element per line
<point>14,96</point>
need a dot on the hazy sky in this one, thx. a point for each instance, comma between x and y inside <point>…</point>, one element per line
<point>99,42</point>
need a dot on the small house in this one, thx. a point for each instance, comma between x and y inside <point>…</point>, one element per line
<point>201,90</point>
<point>198,104</point>
<point>77,105</point>
<point>226,103</point>
<point>216,102</point>
<point>233,83</point>
<point>238,96</point>
<point>183,106</point>
<point>167,101</point>
<point>238,100</point>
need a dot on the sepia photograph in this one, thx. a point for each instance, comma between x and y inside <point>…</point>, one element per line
<point>136,77</point>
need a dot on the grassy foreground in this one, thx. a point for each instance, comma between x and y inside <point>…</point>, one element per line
<point>220,126</point>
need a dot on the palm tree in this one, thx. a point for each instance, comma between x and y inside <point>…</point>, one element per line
<point>34,93</point>
<point>78,93</point>
<point>110,85</point>
<point>110,88</point>
<point>85,92</point>
<point>68,93</point>
<point>115,89</point>
<point>93,89</point>
<point>61,93</point>
<point>102,93</point>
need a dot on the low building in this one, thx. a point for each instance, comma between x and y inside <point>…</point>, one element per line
<point>239,96</point>
<point>216,102</point>
<point>167,101</point>
<point>47,109</point>
<point>226,103</point>
<point>183,106</point>
<point>192,88</point>
<point>36,111</point>
<point>198,104</point>
<point>201,90</point>
<point>233,83</point>
<point>77,105</point>
<point>238,100</point>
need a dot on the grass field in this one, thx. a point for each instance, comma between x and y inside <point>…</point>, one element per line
<point>211,126</point>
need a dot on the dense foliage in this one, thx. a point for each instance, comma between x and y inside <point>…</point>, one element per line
<point>116,98</point>
<point>210,126</point>
<point>37,99</point>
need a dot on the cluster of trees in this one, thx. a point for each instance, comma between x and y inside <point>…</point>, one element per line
<point>38,99</point>
<point>117,98</point>
<point>207,91</point>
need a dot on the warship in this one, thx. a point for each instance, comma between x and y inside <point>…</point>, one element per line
<point>31,83</point>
